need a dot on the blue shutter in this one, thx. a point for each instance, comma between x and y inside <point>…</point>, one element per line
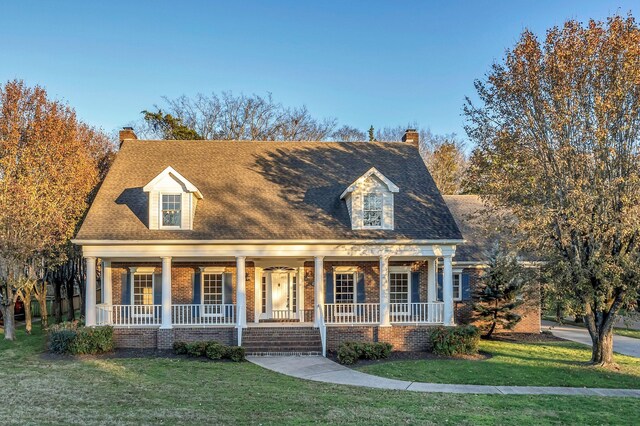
<point>360,293</point>
<point>157,289</point>
<point>466,288</point>
<point>328,288</point>
<point>440,286</point>
<point>197,293</point>
<point>415,287</point>
<point>126,288</point>
<point>227,279</point>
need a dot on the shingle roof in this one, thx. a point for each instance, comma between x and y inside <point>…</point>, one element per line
<point>267,190</point>
<point>475,225</point>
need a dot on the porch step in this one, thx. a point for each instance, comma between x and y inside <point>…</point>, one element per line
<point>281,340</point>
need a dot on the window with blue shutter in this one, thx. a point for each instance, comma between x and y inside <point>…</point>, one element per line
<point>126,288</point>
<point>157,289</point>
<point>328,286</point>
<point>440,281</point>
<point>197,295</point>
<point>361,294</point>
<point>466,287</point>
<point>415,287</point>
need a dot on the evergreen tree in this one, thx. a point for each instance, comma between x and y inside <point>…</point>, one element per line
<point>497,293</point>
<point>371,135</point>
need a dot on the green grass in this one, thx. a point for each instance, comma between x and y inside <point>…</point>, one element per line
<point>621,331</point>
<point>184,391</point>
<point>518,364</point>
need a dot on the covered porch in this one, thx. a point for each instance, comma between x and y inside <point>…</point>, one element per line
<point>390,287</point>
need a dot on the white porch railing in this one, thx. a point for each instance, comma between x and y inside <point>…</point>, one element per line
<point>283,314</point>
<point>417,313</point>
<point>104,314</point>
<point>204,314</point>
<point>136,315</point>
<point>352,313</point>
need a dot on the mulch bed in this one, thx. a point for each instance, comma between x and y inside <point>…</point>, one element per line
<point>411,356</point>
<point>526,337</point>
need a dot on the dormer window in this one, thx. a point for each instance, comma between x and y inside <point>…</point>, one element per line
<point>372,210</point>
<point>370,201</point>
<point>172,201</point>
<point>171,210</point>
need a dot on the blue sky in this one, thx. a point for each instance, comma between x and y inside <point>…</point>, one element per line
<point>368,62</point>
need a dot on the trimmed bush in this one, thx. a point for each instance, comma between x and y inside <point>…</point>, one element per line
<point>235,353</point>
<point>211,349</point>
<point>73,338</point>
<point>350,352</point>
<point>450,341</point>
<point>60,341</point>
<point>215,350</point>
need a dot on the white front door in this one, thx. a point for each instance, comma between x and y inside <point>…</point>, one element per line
<point>279,292</point>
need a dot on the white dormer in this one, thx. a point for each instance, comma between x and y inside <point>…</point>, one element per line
<point>172,201</point>
<point>370,201</point>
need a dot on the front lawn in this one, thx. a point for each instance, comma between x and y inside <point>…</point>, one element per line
<point>517,364</point>
<point>44,390</point>
<point>629,332</point>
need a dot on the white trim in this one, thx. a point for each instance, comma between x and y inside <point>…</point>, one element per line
<point>404,270</point>
<point>189,187</point>
<point>268,242</point>
<point>142,269</point>
<point>161,225</point>
<point>381,196</point>
<point>345,269</point>
<point>213,269</point>
<point>353,272</point>
<point>400,268</point>
<point>216,271</point>
<point>458,297</point>
<point>372,171</point>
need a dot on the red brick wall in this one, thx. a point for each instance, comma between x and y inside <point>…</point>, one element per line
<point>138,338</point>
<point>403,338</point>
<point>155,338</point>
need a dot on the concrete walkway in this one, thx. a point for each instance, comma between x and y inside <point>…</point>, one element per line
<point>621,344</point>
<point>321,369</point>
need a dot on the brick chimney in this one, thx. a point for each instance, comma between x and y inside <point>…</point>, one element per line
<point>411,136</point>
<point>127,133</point>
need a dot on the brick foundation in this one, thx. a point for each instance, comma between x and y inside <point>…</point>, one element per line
<point>402,337</point>
<point>136,338</point>
<point>156,338</point>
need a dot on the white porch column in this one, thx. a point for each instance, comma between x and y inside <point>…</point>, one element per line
<point>318,287</point>
<point>385,314</point>
<point>90,292</point>
<point>432,290</point>
<point>166,293</point>
<point>447,290</point>
<point>241,292</point>
<point>107,283</point>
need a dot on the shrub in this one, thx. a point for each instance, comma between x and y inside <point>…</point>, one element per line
<point>461,340</point>
<point>196,349</point>
<point>180,348</point>
<point>235,353</point>
<point>60,341</point>
<point>215,350</point>
<point>350,352</point>
<point>92,340</point>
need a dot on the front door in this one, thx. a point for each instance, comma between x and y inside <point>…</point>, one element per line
<point>279,292</point>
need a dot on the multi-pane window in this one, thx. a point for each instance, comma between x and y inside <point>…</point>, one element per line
<point>344,288</point>
<point>372,210</point>
<point>399,287</point>
<point>212,289</point>
<point>171,209</point>
<point>457,286</point>
<point>143,289</point>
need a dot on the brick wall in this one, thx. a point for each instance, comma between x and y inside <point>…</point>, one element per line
<point>137,338</point>
<point>403,338</point>
<point>155,338</point>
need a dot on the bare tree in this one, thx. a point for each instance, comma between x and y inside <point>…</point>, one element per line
<point>348,134</point>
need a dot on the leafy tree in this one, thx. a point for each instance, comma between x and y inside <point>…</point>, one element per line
<point>168,126</point>
<point>446,160</point>
<point>557,133</point>
<point>49,167</point>
<point>497,293</point>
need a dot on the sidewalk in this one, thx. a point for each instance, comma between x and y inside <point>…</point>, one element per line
<point>321,369</point>
<point>621,344</point>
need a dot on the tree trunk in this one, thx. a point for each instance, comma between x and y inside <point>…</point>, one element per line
<point>57,300</point>
<point>70,307</point>
<point>8,312</point>
<point>27,314</point>
<point>602,349</point>
<point>44,313</point>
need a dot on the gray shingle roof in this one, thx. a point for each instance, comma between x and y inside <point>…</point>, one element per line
<point>476,227</point>
<point>267,190</point>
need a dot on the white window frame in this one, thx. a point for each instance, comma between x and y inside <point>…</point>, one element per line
<point>161,224</point>
<point>211,271</point>
<point>381,196</point>
<point>405,270</point>
<point>457,297</point>
<point>142,271</point>
<point>354,294</point>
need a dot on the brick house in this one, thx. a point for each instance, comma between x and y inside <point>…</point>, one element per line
<point>276,246</point>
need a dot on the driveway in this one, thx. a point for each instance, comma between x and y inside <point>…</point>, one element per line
<point>621,344</point>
